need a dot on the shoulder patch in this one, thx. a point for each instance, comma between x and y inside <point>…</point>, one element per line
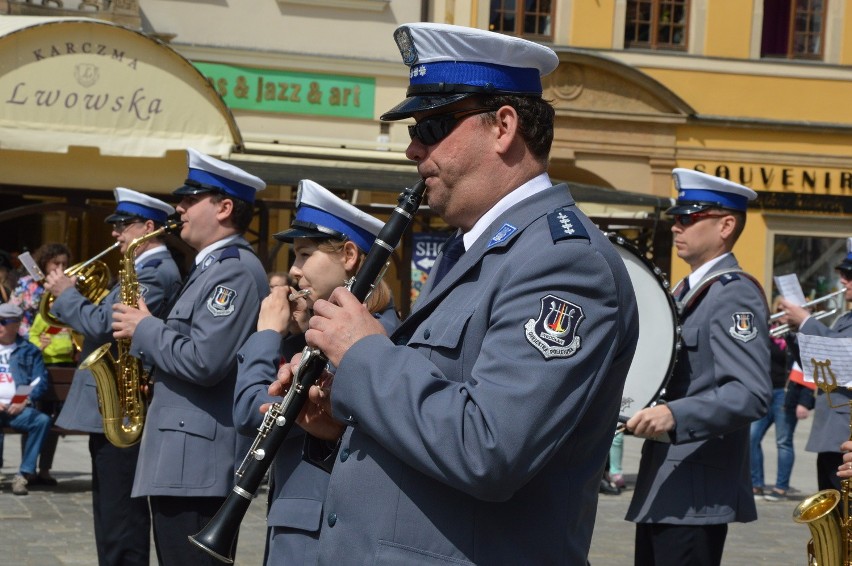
<point>728,277</point>
<point>555,332</point>
<point>221,301</point>
<point>564,225</point>
<point>743,328</point>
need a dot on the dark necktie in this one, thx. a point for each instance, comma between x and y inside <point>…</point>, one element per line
<point>684,289</point>
<point>453,250</point>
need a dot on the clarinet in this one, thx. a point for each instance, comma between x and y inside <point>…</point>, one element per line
<point>218,537</point>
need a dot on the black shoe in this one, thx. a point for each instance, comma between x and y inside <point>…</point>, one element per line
<point>608,488</point>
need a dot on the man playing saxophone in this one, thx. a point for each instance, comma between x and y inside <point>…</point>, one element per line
<point>122,524</point>
<point>189,444</point>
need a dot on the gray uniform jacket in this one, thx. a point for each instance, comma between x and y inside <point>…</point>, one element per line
<point>719,386</point>
<point>830,428</point>
<point>189,444</point>
<point>159,280</point>
<point>298,487</point>
<point>479,430</point>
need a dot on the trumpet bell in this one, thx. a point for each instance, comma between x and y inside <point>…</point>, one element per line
<point>92,282</point>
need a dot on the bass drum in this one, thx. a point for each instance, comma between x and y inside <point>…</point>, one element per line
<point>659,332</point>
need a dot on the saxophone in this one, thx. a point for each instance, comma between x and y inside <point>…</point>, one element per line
<point>122,382</point>
<point>826,513</point>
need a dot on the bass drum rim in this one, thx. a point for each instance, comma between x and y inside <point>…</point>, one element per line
<point>637,393</point>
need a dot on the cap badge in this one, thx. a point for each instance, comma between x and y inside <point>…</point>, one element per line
<point>554,332</point>
<point>405,42</point>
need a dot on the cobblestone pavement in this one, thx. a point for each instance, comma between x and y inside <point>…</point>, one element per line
<point>53,526</point>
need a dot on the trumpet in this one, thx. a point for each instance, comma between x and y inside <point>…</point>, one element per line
<point>93,277</point>
<point>785,328</point>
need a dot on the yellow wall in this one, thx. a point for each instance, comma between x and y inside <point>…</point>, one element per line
<point>590,23</point>
<point>728,28</point>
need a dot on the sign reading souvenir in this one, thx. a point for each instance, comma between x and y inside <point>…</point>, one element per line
<point>423,254</point>
<point>290,92</point>
<point>781,178</point>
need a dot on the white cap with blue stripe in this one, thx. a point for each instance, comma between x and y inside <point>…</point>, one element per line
<point>448,63</point>
<point>133,204</point>
<point>697,191</point>
<point>321,215</point>
<point>210,175</point>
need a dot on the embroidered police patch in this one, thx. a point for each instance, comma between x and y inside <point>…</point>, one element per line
<point>221,302</point>
<point>743,328</point>
<point>502,235</point>
<point>564,225</point>
<point>554,332</point>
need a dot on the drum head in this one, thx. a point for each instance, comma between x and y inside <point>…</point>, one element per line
<point>659,333</point>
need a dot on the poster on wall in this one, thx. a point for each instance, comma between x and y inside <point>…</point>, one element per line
<point>424,252</point>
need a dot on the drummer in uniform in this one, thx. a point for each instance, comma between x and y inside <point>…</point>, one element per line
<point>694,473</point>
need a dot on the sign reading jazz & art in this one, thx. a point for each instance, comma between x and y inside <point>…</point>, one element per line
<point>268,90</point>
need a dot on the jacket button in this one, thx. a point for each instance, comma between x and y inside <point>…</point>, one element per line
<point>427,333</point>
<point>240,358</point>
<point>332,519</point>
<point>344,454</point>
<point>181,423</point>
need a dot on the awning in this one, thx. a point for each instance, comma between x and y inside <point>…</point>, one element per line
<point>90,83</point>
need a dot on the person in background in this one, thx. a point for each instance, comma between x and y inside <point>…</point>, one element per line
<point>790,403</point>
<point>122,524</point>
<point>55,342</point>
<point>694,474</point>
<point>21,364</point>
<point>330,239</point>
<point>831,424</point>
<point>28,291</point>
<point>7,282</point>
<point>189,445</point>
<point>476,433</point>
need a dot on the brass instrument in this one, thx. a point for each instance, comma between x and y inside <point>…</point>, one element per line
<point>826,513</point>
<point>785,328</point>
<point>92,276</point>
<point>122,382</point>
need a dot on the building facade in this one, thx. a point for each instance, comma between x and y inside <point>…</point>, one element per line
<point>289,89</point>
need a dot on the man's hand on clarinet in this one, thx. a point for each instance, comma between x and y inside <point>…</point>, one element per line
<point>338,323</point>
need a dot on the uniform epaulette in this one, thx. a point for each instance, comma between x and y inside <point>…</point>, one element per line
<point>728,277</point>
<point>155,262</point>
<point>564,225</point>
<point>232,251</point>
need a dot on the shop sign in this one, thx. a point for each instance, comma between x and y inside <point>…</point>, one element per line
<point>290,92</point>
<point>424,251</point>
<point>803,180</point>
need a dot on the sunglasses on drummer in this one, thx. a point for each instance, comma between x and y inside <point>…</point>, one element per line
<point>690,219</point>
<point>432,129</point>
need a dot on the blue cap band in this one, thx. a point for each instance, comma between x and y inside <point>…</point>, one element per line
<point>228,186</point>
<point>362,238</point>
<point>725,200</point>
<point>136,209</point>
<point>490,76</point>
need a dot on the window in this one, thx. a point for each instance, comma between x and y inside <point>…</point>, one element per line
<point>656,24</point>
<point>528,18</point>
<point>793,29</point>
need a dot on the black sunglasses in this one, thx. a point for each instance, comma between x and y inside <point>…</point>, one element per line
<point>122,225</point>
<point>690,219</point>
<point>432,129</point>
<point>846,274</point>
<point>5,321</point>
